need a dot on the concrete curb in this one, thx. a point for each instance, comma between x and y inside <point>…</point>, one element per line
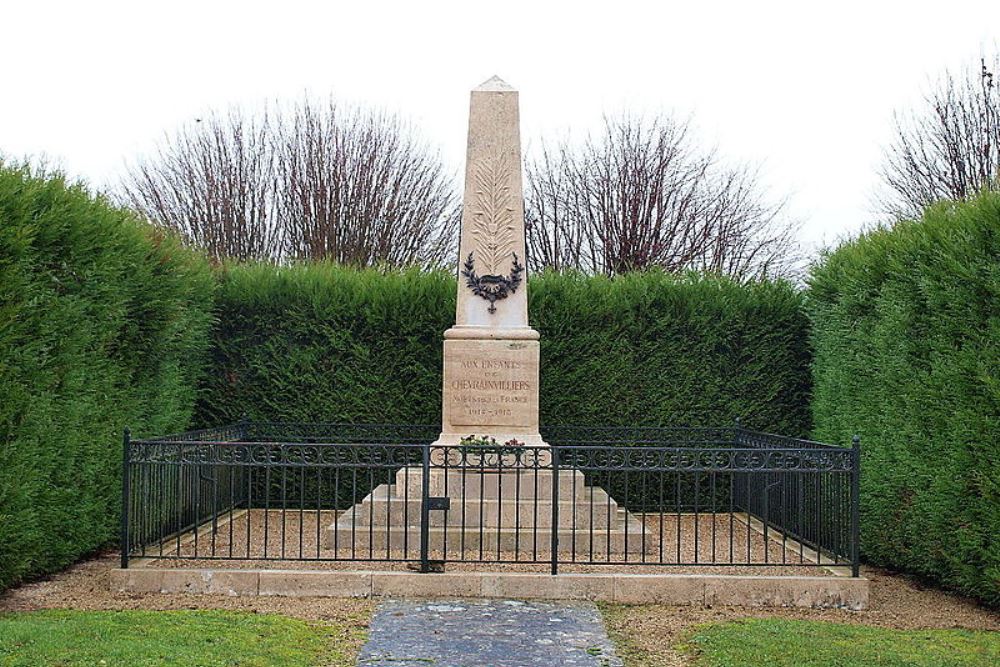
<point>671,589</point>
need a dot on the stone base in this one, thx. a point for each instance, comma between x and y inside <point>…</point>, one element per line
<point>507,512</point>
<point>667,589</point>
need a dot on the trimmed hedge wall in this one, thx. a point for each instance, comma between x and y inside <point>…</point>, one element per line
<point>659,350</point>
<point>907,353</point>
<point>103,322</point>
<point>317,342</point>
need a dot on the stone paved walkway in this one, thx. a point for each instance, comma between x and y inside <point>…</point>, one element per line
<point>494,633</point>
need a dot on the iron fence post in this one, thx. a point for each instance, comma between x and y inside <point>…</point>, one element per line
<point>555,510</point>
<point>126,490</point>
<point>425,510</point>
<point>855,506</point>
<point>244,426</point>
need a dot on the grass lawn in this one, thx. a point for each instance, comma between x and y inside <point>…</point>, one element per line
<point>67,638</point>
<point>787,643</point>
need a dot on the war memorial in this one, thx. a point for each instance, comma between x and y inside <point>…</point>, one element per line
<point>490,503</point>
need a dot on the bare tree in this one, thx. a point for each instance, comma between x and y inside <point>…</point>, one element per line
<point>361,189</point>
<point>642,194</point>
<point>214,182</point>
<point>947,149</point>
<point>313,181</point>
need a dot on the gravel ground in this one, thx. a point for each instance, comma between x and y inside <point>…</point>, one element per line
<point>645,634</point>
<point>86,585</point>
<point>258,534</point>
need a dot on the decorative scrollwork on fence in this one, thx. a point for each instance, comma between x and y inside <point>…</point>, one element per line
<point>307,455</point>
<point>760,440</point>
<point>491,458</point>
<point>585,448</point>
<point>708,459</point>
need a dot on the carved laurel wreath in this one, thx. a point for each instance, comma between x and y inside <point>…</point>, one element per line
<point>493,231</point>
<point>492,287</point>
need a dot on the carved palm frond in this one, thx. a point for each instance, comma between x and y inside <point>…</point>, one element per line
<point>493,216</point>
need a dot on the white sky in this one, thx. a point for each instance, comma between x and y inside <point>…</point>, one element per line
<point>805,88</point>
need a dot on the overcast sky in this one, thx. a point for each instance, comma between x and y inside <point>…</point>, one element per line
<point>807,89</point>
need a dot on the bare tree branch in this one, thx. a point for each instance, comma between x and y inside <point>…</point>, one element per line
<point>213,181</point>
<point>361,189</point>
<point>947,149</point>
<point>314,181</point>
<point>640,195</point>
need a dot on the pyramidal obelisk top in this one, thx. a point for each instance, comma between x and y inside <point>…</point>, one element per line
<point>495,84</point>
<point>491,354</point>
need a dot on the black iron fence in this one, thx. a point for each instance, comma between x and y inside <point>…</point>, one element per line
<point>596,496</point>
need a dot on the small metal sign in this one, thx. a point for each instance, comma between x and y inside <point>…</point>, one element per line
<point>438,503</point>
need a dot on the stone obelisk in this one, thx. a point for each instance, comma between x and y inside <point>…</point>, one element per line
<point>490,390</point>
<point>491,354</point>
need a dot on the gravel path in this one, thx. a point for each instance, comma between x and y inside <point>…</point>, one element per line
<point>499,633</point>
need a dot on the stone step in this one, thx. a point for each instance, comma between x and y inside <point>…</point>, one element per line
<point>474,482</point>
<point>580,494</point>
<point>523,543</point>
<point>383,508</point>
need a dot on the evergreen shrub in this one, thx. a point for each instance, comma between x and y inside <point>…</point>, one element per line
<point>906,334</point>
<point>103,323</point>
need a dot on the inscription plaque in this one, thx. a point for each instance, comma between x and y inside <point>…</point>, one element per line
<point>491,383</point>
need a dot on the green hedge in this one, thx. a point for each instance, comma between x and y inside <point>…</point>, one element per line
<point>317,342</point>
<point>657,349</point>
<point>907,353</point>
<point>103,322</point>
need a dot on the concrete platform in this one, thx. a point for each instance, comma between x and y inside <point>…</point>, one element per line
<point>670,589</point>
